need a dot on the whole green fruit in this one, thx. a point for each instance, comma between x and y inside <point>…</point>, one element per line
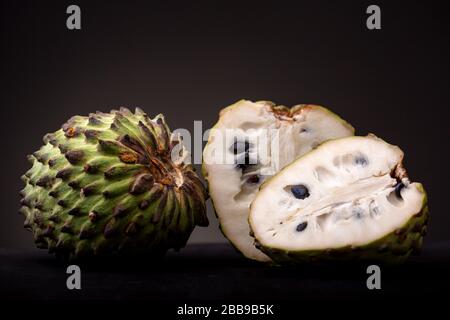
<point>112,183</point>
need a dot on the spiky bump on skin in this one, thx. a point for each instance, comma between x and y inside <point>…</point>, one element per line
<point>107,184</point>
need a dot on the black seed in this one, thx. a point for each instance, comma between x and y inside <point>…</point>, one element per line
<point>243,162</point>
<point>302,226</point>
<point>240,147</point>
<point>253,179</point>
<point>62,203</point>
<point>300,191</point>
<point>358,212</point>
<point>361,161</point>
<point>398,188</point>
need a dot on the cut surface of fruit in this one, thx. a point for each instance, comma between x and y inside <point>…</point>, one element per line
<point>348,193</point>
<point>251,142</point>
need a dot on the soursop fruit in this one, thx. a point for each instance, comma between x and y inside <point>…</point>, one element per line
<point>112,183</point>
<point>349,198</point>
<point>251,142</point>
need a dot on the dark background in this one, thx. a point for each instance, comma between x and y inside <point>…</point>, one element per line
<point>188,59</point>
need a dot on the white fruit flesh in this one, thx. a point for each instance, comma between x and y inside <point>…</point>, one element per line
<point>352,197</point>
<point>231,188</point>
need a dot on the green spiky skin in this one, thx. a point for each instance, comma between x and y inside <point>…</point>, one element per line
<point>394,248</point>
<point>106,184</point>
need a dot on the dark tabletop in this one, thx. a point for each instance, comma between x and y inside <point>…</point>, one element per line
<point>215,274</point>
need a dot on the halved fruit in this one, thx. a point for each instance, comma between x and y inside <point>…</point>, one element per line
<point>349,198</point>
<point>251,142</point>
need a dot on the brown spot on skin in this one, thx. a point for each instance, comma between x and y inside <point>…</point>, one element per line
<point>53,194</point>
<point>74,156</point>
<point>49,230</point>
<point>74,212</point>
<point>93,216</point>
<point>168,181</point>
<point>131,229</point>
<point>110,229</point>
<point>119,211</point>
<point>89,190</point>
<point>55,218</point>
<point>128,157</point>
<point>281,112</point>
<point>44,182</point>
<point>94,121</point>
<point>71,132</point>
<point>42,158</point>
<point>156,217</point>
<point>144,204</point>
<point>63,148</point>
<point>91,134</point>
<point>400,172</point>
<point>85,233</point>
<point>37,218</point>
<point>52,162</point>
<point>142,184</point>
<point>90,169</point>
<point>66,228</point>
<point>64,174</point>
<point>132,144</point>
<point>74,184</point>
